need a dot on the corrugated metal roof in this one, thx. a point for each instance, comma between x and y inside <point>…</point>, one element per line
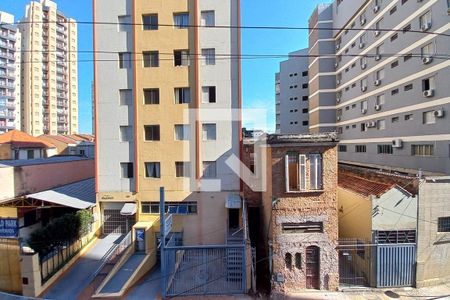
<point>40,161</point>
<point>79,195</point>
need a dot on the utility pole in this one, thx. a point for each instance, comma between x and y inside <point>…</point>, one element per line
<point>162,235</point>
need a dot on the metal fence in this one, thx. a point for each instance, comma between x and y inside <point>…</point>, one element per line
<point>205,270</point>
<point>376,265</point>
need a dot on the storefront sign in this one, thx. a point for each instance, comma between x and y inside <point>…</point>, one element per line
<point>9,228</point>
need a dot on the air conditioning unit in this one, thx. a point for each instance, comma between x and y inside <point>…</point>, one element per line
<point>338,81</point>
<point>338,46</point>
<point>397,143</point>
<point>377,82</point>
<point>364,88</point>
<point>376,32</point>
<point>338,99</point>
<point>427,60</point>
<point>376,8</point>
<point>377,107</point>
<point>363,111</point>
<point>363,21</point>
<point>338,118</point>
<point>361,45</point>
<point>336,65</point>
<point>371,124</point>
<point>426,26</point>
<point>439,113</point>
<point>377,57</point>
<point>363,66</point>
<point>428,93</point>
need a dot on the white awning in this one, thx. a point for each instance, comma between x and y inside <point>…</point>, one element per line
<point>128,209</point>
<point>233,201</point>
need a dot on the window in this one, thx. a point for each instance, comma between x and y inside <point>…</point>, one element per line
<point>444,224</point>
<point>298,260</point>
<point>124,60</point>
<point>380,74</point>
<point>305,73</point>
<point>30,154</point>
<point>380,99</point>
<point>305,227</point>
<point>409,117</point>
<point>395,119</point>
<point>394,64</point>
<point>408,87</point>
<point>209,169</point>
<point>181,58</point>
<point>428,117</point>
<point>360,148</point>
<point>406,28</point>
<point>151,96</point>
<point>208,18</point>
<point>315,171</point>
<point>124,22</point>
<point>153,170</point>
<point>182,132</point>
<point>427,50</point>
<point>209,132</point>
<point>182,95</point>
<point>305,98</point>
<point>209,94</point>
<point>127,170</point>
<point>150,22</point>
<point>425,21</point>
<point>182,169</point>
<point>126,133</point>
<point>379,51</point>
<point>363,127</point>
<point>178,208</point>
<point>209,56</point>
<point>363,62</point>
<point>295,172</point>
<point>151,132</point>
<point>404,1</point>
<point>151,59</point>
<point>393,10</point>
<point>304,86</point>
<point>342,148</point>
<point>305,110</point>
<point>362,41</point>
<point>422,150</point>
<point>288,260</point>
<point>363,84</point>
<point>305,123</point>
<point>394,92</point>
<point>125,97</point>
<point>385,149</point>
<point>428,84</point>
<point>181,20</point>
<point>381,124</point>
<point>364,105</point>
<point>407,57</point>
<point>394,37</point>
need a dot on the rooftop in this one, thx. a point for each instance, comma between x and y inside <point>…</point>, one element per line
<point>19,139</point>
<point>302,138</point>
<point>40,161</point>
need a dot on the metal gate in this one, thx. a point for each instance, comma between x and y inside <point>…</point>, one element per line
<point>114,222</point>
<point>204,270</point>
<point>376,265</point>
<point>396,265</point>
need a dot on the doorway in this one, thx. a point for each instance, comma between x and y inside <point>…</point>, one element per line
<point>233,219</point>
<point>313,267</point>
<point>140,239</point>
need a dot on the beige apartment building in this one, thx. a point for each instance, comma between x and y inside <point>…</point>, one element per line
<point>49,88</point>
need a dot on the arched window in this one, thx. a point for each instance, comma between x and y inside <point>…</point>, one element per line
<point>288,260</point>
<point>298,261</point>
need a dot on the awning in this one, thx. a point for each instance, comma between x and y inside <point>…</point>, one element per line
<point>79,195</point>
<point>233,201</point>
<point>128,209</point>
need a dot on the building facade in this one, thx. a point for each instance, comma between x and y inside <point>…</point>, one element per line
<point>292,92</point>
<point>172,100</point>
<point>300,213</point>
<point>10,55</point>
<point>377,72</point>
<point>49,70</point>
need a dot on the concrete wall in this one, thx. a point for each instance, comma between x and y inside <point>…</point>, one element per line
<point>433,247</point>
<point>355,215</point>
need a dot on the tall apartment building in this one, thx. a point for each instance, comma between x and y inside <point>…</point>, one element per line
<point>49,70</point>
<point>377,75</point>
<point>164,72</point>
<point>292,94</point>
<point>10,40</point>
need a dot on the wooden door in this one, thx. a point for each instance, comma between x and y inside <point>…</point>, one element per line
<point>313,267</point>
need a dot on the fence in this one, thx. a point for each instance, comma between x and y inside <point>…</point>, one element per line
<point>54,261</point>
<point>376,265</point>
<point>205,270</point>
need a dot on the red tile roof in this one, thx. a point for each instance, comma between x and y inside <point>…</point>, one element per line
<point>362,185</point>
<point>60,138</point>
<point>19,139</point>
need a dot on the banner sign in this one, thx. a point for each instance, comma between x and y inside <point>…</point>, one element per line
<point>9,228</point>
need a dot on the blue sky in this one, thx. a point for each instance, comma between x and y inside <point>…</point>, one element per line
<point>258,75</point>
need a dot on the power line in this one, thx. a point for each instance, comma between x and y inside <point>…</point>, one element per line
<point>261,27</point>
